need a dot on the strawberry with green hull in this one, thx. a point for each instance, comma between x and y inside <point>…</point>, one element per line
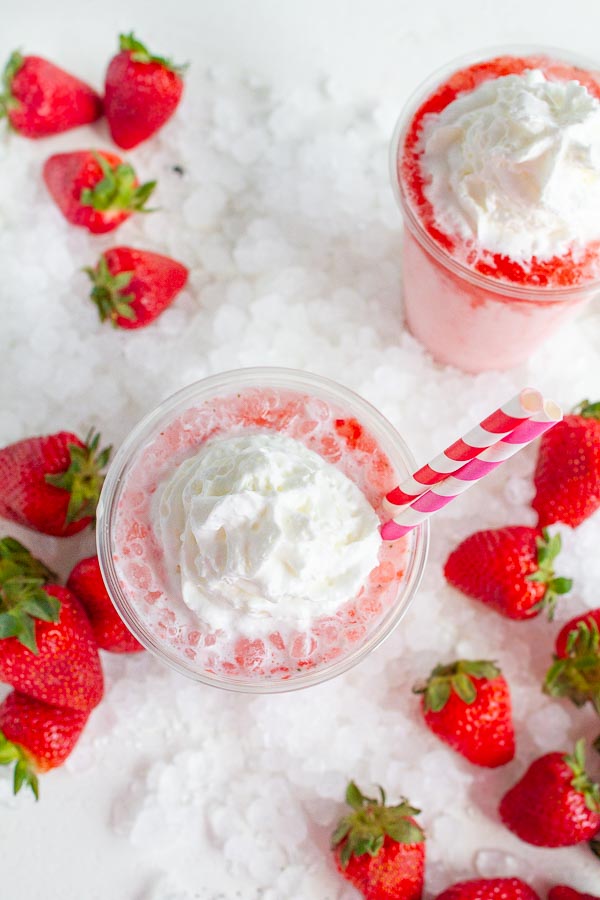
<point>40,99</point>
<point>467,705</point>
<point>131,287</point>
<point>509,569</point>
<point>555,803</point>
<point>562,892</point>
<point>489,889</point>
<point>567,473</point>
<point>36,737</point>
<point>575,672</point>
<point>95,189</point>
<point>141,92</point>
<point>380,849</point>
<point>47,647</point>
<point>110,631</point>
<point>52,483</point>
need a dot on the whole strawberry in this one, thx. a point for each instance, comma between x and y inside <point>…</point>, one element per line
<point>95,189</point>
<point>555,804</point>
<point>575,672</point>
<point>39,99</point>
<point>489,889</point>
<point>47,648</point>
<point>131,287</point>
<point>380,849</point>
<point>141,92</point>
<point>567,474</point>
<point>52,483</point>
<point>467,705</point>
<point>509,569</point>
<point>110,631</point>
<point>562,892</point>
<point>36,737</point>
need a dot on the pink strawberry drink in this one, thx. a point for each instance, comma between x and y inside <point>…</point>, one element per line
<point>496,166</point>
<point>238,530</point>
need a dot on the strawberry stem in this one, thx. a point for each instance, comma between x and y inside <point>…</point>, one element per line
<point>141,54</point>
<point>581,780</point>
<point>108,292</point>
<point>548,549</point>
<point>577,674</point>
<point>22,595</point>
<point>458,677</point>
<point>7,101</point>
<point>587,410</point>
<point>24,774</point>
<point>364,830</point>
<point>117,189</point>
<point>83,479</point>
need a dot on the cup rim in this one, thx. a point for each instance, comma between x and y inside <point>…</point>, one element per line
<point>265,376</point>
<point>517,292</point>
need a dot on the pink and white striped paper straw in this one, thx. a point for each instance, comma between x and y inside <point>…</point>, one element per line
<point>438,496</point>
<point>492,429</point>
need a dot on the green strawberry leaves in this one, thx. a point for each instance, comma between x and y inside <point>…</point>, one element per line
<point>548,549</point>
<point>22,595</point>
<point>117,190</point>
<point>141,54</point>
<point>587,410</point>
<point>7,101</point>
<point>458,677</point>
<point>577,674</point>
<point>581,781</point>
<point>24,774</point>
<point>108,292</point>
<point>364,829</point>
<point>83,479</point>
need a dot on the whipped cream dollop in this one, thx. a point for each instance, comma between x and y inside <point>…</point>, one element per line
<point>515,166</point>
<point>258,526</point>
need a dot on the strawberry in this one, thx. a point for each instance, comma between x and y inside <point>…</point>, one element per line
<point>133,287</point>
<point>575,672</point>
<point>380,849</point>
<point>567,473</point>
<point>141,92</point>
<point>509,569</point>
<point>40,99</point>
<point>47,647</point>
<point>562,892</point>
<point>555,804</point>
<point>110,631</point>
<point>52,483</point>
<point>95,189</point>
<point>467,705</point>
<point>36,737</point>
<point>489,889</point>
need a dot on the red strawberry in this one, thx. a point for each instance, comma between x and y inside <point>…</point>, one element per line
<point>554,804</point>
<point>47,647</point>
<point>110,631</point>
<point>132,287</point>
<point>52,483</point>
<point>40,99</point>
<point>489,889</point>
<point>509,569</point>
<point>561,892</point>
<point>36,736</point>
<point>141,92</point>
<point>380,849</point>
<point>95,189</point>
<point>467,705</point>
<point>567,474</point>
<point>575,672</point>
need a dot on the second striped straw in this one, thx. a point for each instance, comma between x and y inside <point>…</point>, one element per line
<point>498,437</point>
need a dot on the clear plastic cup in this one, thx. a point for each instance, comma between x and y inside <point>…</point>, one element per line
<point>128,550</point>
<point>463,317</point>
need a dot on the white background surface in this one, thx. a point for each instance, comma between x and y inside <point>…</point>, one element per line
<point>65,848</point>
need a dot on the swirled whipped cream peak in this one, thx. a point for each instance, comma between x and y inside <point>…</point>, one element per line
<point>260,528</point>
<point>514,166</point>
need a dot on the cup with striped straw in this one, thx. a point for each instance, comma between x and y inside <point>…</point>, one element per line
<point>495,439</point>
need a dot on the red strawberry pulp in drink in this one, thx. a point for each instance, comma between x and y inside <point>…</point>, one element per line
<point>140,562</point>
<point>472,307</point>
